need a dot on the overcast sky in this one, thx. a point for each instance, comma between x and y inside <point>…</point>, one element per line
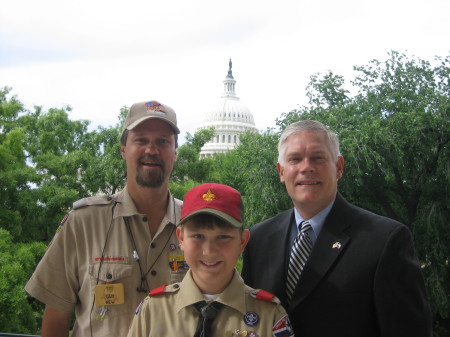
<point>98,56</point>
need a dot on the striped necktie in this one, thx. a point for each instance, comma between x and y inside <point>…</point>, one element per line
<point>299,254</point>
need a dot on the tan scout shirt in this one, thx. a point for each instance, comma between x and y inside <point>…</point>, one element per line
<point>172,314</point>
<point>93,246</point>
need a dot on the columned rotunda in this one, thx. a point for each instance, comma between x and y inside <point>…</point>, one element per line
<point>229,117</point>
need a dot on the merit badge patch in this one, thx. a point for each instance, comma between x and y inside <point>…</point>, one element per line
<point>251,318</point>
<point>177,262</point>
<point>283,328</point>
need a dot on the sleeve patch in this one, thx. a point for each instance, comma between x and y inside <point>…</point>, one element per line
<point>62,222</point>
<point>139,307</point>
<point>283,328</point>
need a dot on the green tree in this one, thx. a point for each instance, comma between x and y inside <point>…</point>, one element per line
<point>189,170</point>
<point>189,165</point>
<point>17,261</point>
<point>53,145</point>
<point>105,169</point>
<point>16,176</point>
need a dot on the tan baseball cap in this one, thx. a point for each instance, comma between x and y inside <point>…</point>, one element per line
<point>142,111</point>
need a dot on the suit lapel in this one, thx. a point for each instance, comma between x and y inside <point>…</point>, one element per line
<point>329,246</point>
<point>276,261</point>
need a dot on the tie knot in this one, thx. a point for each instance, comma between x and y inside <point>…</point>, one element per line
<point>208,310</point>
<point>305,226</point>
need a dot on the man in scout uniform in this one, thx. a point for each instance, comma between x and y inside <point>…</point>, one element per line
<point>110,250</point>
<point>212,300</point>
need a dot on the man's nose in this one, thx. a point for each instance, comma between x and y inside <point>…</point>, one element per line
<point>306,166</point>
<point>151,148</point>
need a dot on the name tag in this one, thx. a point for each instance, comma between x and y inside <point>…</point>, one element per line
<point>109,294</point>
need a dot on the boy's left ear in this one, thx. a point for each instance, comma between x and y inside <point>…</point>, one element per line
<point>245,237</point>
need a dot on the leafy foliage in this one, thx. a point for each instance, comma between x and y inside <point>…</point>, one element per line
<point>189,165</point>
<point>17,262</point>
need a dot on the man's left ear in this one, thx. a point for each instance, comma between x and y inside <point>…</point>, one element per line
<point>340,167</point>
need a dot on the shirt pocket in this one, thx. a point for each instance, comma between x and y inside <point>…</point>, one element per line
<point>106,272</point>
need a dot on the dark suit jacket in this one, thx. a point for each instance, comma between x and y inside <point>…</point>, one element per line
<point>362,278</point>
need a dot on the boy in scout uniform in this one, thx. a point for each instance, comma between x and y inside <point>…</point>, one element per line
<point>110,250</point>
<point>212,300</point>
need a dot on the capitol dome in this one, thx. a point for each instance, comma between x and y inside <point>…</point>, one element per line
<point>229,117</point>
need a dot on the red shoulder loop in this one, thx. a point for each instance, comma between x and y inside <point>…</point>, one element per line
<point>264,295</point>
<point>157,291</point>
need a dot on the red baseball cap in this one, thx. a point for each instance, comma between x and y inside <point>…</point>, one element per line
<point>220,200</point>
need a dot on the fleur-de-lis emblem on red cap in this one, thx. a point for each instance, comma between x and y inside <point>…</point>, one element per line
<point>209,196</point>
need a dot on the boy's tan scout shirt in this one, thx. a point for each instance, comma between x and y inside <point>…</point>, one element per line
<point>171,312</point>
<point>95,234</point>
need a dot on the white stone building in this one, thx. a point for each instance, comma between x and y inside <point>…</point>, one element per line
<point>229,117</point>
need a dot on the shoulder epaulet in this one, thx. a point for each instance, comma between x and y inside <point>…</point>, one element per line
<point>264,296</point>
<point>157,291</point>
<point>90,201</point>
<point>164,289</point>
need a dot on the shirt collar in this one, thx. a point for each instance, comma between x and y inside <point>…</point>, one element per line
<point>232,296</point>
<point>316,221</point>
<point>126,207</point>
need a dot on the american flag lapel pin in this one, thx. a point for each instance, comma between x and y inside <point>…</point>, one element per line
<point>337,245</point>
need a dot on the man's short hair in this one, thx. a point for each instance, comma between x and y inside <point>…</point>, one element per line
<point>308,125</point>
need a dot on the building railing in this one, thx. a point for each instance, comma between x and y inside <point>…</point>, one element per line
<point>15,335</point>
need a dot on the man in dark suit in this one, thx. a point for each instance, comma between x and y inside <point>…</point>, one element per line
<point>361,277</point>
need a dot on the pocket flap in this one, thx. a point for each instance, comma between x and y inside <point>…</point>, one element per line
<point>110,272</point>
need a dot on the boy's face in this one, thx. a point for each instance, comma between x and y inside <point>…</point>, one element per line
<point>212,254</point>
